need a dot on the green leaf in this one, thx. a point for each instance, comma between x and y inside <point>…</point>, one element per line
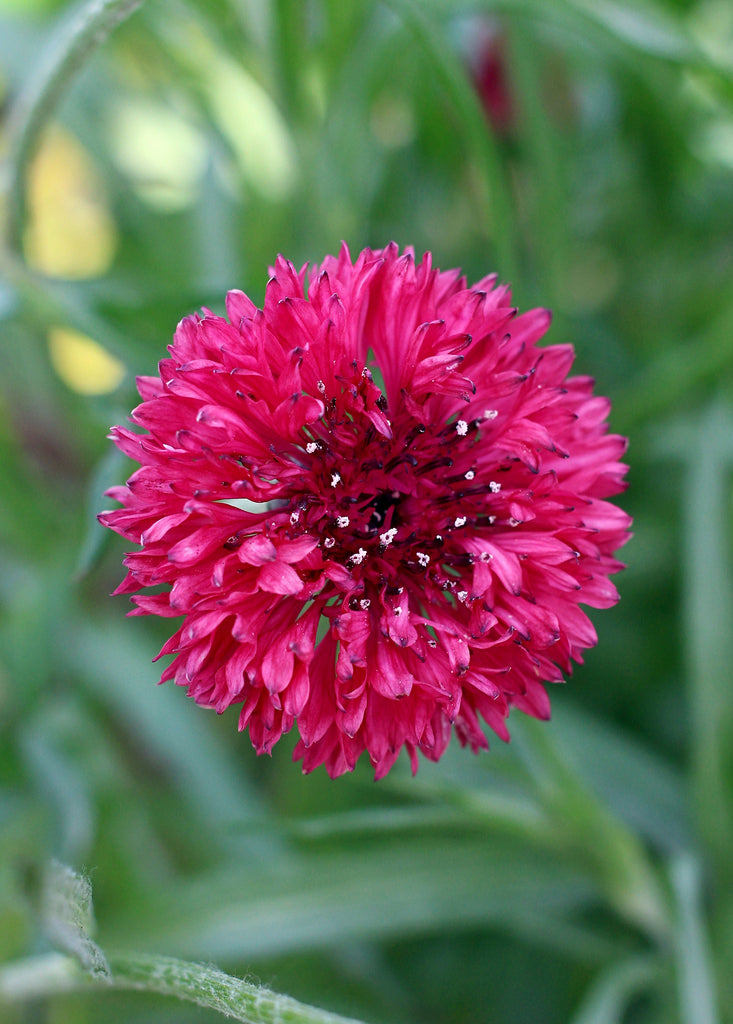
<point>68,922</point>
<point>706,448</point>
<point>68,917</point>
<point>498,207</point>
<point>107,473</point>
<point>176,732</point>
<point>694,970</point>
<point>377,889</point>
<point>614,988</point>
<point>69,51</point>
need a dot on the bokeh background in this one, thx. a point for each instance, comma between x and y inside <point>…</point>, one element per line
<point>584,150</point>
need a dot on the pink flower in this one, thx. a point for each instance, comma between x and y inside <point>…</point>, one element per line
<point>376,563</point>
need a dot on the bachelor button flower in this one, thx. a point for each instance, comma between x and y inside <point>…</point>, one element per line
<point>378,506</point>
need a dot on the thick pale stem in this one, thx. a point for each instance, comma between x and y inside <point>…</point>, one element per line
<point>54,974</point>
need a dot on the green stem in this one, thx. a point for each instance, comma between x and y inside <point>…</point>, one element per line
<point>494,193</point>
<point>695,983</point>
<point>55,974</point>
<point>613,853</point>
<point>69,51</point>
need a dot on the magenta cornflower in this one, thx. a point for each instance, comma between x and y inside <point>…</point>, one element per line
<point>378,506</point>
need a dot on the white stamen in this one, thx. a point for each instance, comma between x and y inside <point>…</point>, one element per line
<point>335,479</point>
<point>388,536</point>
<point>432,643</point>
<point>494,487</point>
<point>321,387</point>
<point>359,557</point>
<point>486,556</point>
<point>329,542</point>
<point>397,611</point>
<point>490,414</point>
<point>422,558</point>
<point>294,517</point>
<point>492,520</point>
<point>461,428</point>
<point>364,603</point>
<point>342,521</point>
<point>469,475</point>
<point>311,447</point>
<point>460,521</point>
<point>512,521</point>
<point>462,595</point>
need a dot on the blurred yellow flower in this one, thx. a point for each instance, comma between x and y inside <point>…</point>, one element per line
<point>70,232</point>
<point>82,364</point>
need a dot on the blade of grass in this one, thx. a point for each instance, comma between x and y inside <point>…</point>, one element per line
<point>368,888</point>
<point>66,55</point>
<point>695,984</point>
<point>613,989</point>
<point>540,143</point>
<point>706,448</point>
<point>495,198</point>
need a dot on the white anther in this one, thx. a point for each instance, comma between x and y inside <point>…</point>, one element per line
<point>329,542</point>
<point>492,520</point>
<point>311,447</point>
<point>294,517</point>
<point>321,387</point>
<point>388,536</point>
<point>461,428</point>
<point>462,595</point>
<point>459,521</point>
<point>364,603</point>
<point>494,487</point>
<point>490,414</point>
<point>486,556</point>
<point>422,558</point>
<point>335,479</point>
<point>469,475</point>
<point>397,611</point>
<point>432,643</point>
<point>512,521</point>
<point>359,557</point>
<point>342,521</point>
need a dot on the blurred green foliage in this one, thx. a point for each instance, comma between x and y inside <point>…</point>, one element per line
<point>583,873</point>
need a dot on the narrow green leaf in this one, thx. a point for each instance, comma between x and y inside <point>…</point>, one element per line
<point>645,791</point>
<point>68,921</point>
<point>614,988</point>
<point>69,51</point>
<point>68,917</point>
<point>706,449</point>
<point>173,729</point>
<point>693,960</point>
<point>540,143</point>
<point>63,786</point>
<point>498,211</point>
<point>107,473</point>
<point>370,889</point>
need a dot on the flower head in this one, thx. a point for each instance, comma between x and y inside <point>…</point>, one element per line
<point>378,506</point>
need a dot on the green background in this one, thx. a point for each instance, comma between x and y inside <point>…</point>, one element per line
<point>582,873</point>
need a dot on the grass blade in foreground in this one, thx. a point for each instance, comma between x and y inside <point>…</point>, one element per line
<point>37,104</point>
